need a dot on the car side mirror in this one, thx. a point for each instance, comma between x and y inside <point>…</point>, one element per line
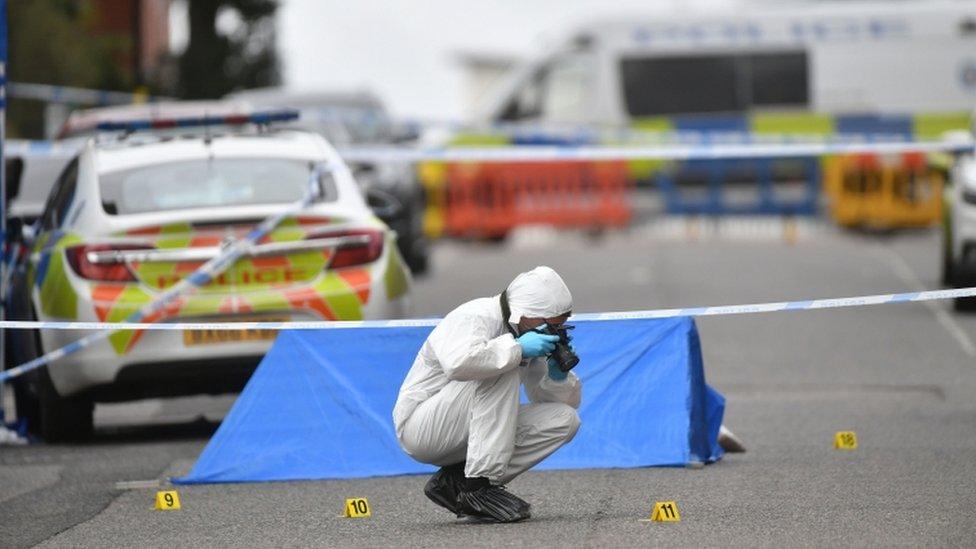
<point>384,205</point>
<point>13,170</point>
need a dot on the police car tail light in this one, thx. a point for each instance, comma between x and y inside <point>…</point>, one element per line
<point>365,249</point>
<point>93,263</point>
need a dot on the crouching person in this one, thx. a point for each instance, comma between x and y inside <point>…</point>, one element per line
<point>459,408</point>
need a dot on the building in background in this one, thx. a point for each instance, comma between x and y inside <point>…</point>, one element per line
<point>144,25</point>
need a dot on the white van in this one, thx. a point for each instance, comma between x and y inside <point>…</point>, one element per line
<point>915,59</point>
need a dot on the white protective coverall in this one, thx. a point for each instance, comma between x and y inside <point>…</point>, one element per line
<point>460,400</point>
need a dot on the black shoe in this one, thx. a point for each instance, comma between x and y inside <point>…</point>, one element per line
<point>488,503</point>
<point>444,486</point>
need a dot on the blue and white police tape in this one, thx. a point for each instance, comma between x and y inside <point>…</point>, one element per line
<point>527,132</point>
<point>704,151</point>
<point>82,96</point>
<point>41,149</point>
<point>230,253</point>
<point>814,304</point>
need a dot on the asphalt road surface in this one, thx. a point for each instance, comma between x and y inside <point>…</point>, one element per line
<point>902,376</point>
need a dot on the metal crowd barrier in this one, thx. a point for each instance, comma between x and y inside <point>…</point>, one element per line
<point>717,181</point>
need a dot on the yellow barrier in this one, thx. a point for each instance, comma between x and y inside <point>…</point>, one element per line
<point>433,176</point>
<point>867,191</point>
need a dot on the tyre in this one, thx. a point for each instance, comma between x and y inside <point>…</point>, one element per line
<point>416,253</point>
<point>411,241</point>
<point>63,419</point>
<point>49,415</point>
<point>963,280</point>
<point>21,346</point>
<point>947,277</point>
<point>497,239</point>
<point>947,262</point>
<point>417,262</point>
<point>964,304</point>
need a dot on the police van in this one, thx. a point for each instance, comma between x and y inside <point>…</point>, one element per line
<point>907,68</point>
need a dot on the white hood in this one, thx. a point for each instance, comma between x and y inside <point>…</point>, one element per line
<point>539,293</point>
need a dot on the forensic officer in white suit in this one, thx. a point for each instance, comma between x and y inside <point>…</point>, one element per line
<point>459,408</point>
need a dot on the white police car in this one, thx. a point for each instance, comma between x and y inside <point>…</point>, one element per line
<point>135,213</point>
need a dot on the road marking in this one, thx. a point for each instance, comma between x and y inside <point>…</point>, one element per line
<point>905,272</point>
<point>137,484</point>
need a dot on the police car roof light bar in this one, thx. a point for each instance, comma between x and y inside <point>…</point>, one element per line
<point>258,118</point>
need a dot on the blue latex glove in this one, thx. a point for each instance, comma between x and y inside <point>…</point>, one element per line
<point>535,344</point>
<point>554,372</point>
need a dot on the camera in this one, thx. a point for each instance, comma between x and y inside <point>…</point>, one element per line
<point>565,358</point>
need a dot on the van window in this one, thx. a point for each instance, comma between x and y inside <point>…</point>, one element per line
<point>567,89</point>
<point>676,85</point>
<point>779,79</point>
<point>558,91</point>
<point>527,101</point>
<point>713,83</point>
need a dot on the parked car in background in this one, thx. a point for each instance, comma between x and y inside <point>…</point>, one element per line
<point>133,214</point>
<point>959,223</point>
<point>84,123</point>
<point>356,119</point>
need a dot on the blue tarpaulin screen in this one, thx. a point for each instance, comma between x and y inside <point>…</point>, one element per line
<point>320,404</point>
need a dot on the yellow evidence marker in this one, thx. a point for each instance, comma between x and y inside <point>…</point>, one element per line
<point>845,440</point>
<point>665,511</point>
<point>167,500</point>
<point>357,508</point>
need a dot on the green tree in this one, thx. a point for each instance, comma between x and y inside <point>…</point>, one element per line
<point>215,64</point>
<point>48,45</point>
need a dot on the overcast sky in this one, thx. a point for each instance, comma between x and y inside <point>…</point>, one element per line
<point>404,50</point>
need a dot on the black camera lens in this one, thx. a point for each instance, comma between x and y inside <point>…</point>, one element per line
<point>564,356</point>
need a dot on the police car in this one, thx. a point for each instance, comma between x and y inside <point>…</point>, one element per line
<point>135,213</point>
<point>343,119</point>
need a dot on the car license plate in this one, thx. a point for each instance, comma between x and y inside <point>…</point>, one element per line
<point>208,337</point>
